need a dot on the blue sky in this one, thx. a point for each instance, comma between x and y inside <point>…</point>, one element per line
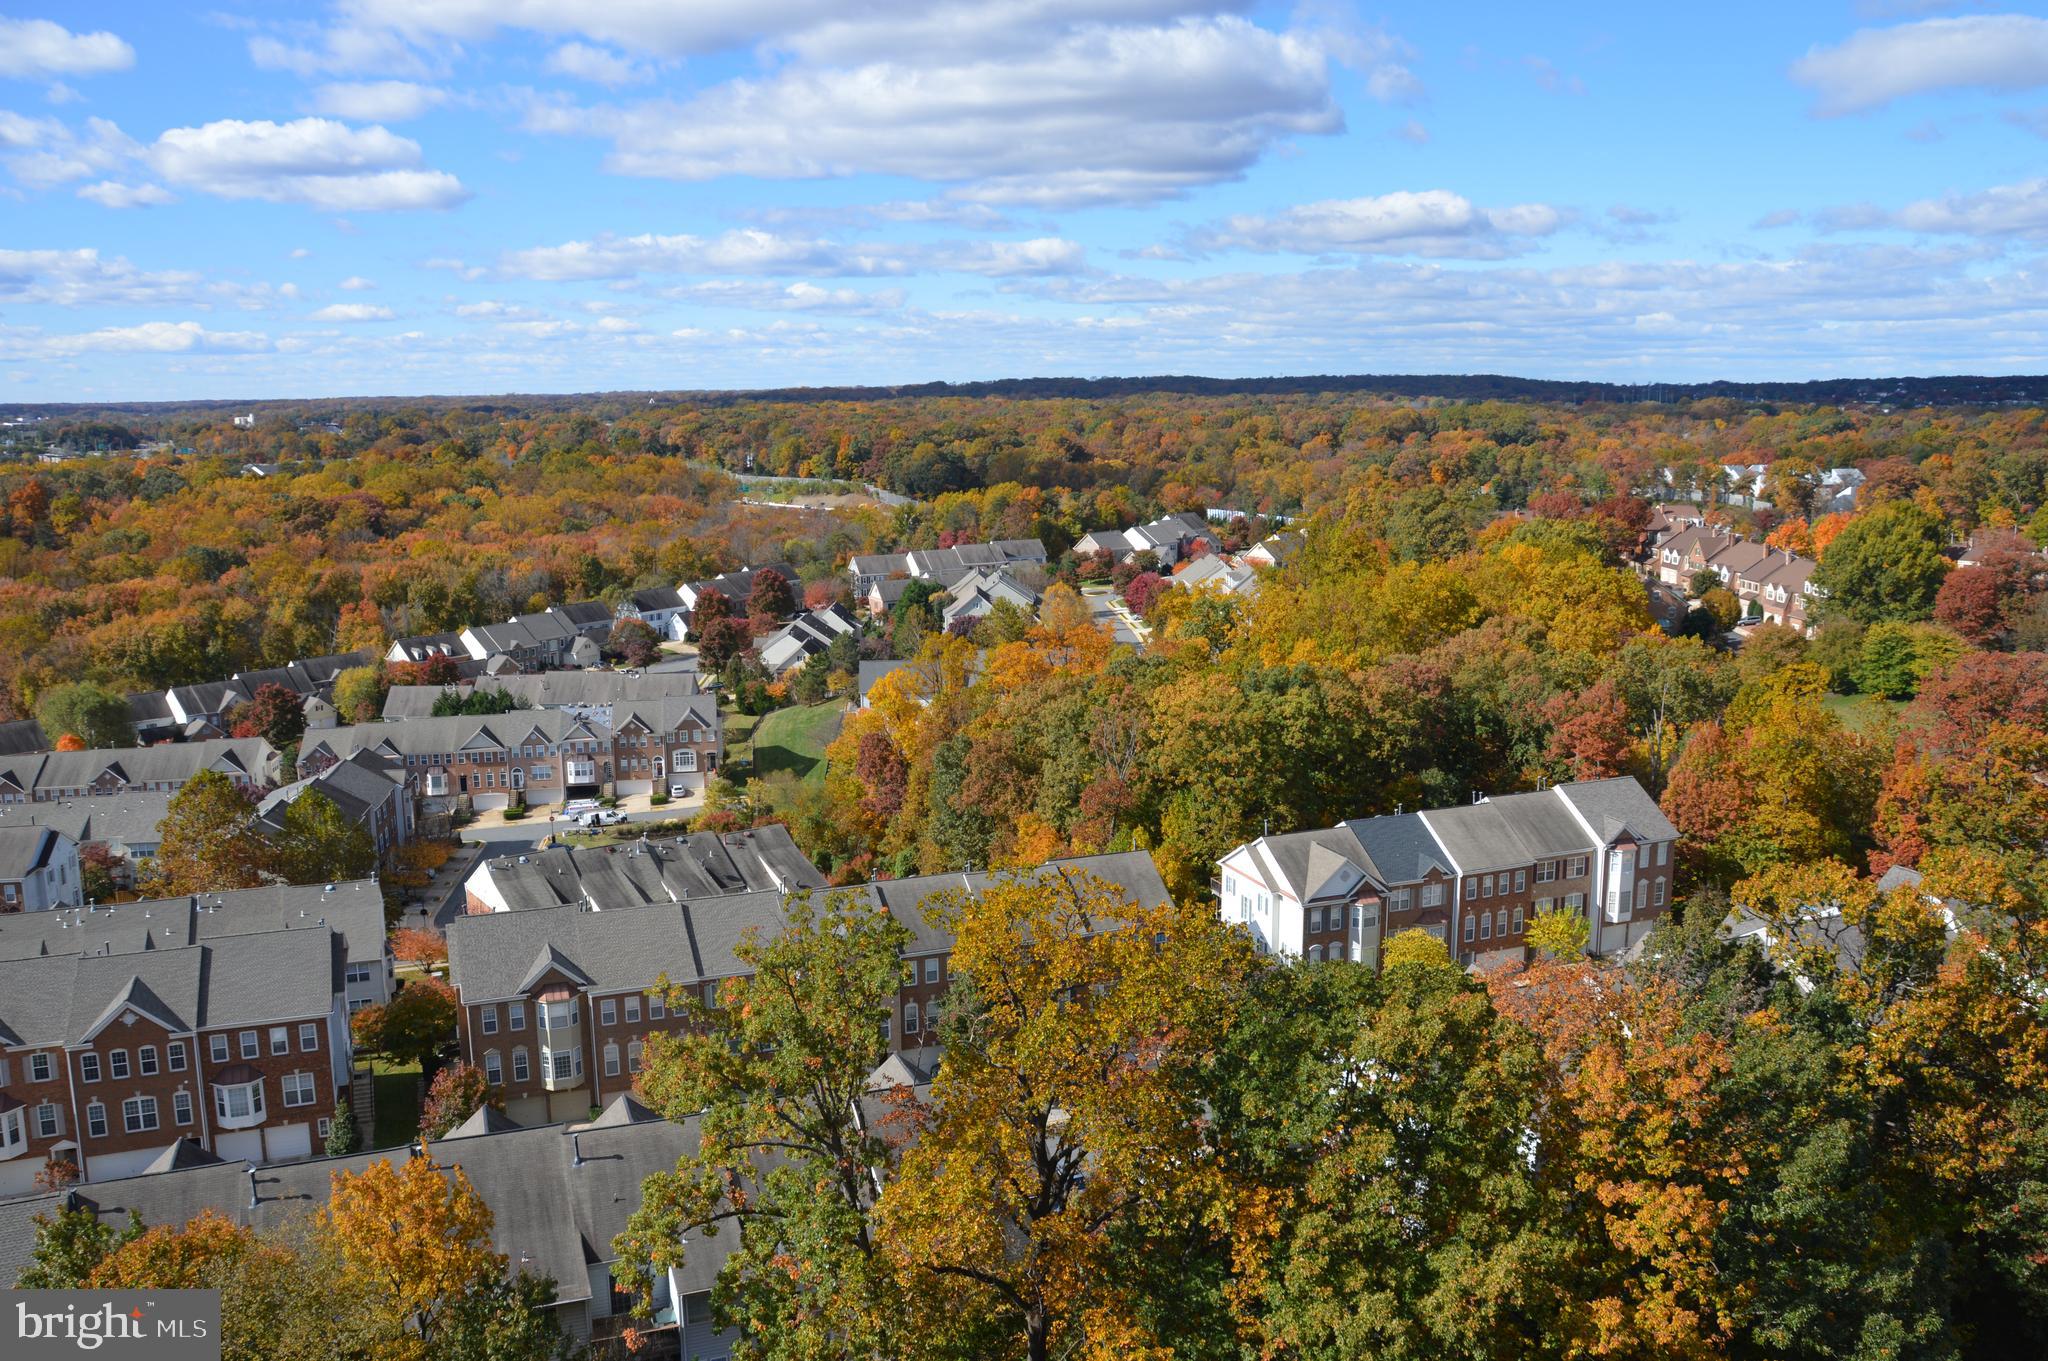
<point>413,196</point>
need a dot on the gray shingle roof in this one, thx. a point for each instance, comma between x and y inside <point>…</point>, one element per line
<point>1400,847</point>
<point>24,850</point>
<point>1616,805</point>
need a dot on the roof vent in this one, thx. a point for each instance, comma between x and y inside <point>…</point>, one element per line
<point>576,1144</point>
<point>328,889</point>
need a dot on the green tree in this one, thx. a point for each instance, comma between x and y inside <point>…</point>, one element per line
<point>791,1158</point>
<point>92,713</point>
<point>205,845</point>
<point>505,1320</point>
<point>359,694</point>
<point>69,1247</point>
<point>342,1135</point>
<point>1414,1228</point>
<point>1887,564</point>
<point>315,843</point>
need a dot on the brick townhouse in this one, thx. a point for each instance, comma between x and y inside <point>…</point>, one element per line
<point>124,1031</point>
<point>366,789</point>
<point>1768,581</point>
<point>539,755</point>
<point>588,694</point>
<point>557,1000</point>
<point>1472,876</point>
<point>35,778</point>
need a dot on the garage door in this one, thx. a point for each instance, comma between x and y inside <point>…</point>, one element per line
<point>286,1142</point>
<point>243,1145</point>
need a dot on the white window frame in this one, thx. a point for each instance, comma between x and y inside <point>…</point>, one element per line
<point>174,1055</point>
<point>219,1047</point>
<point>488,1019</point>
<point>95,1120</point>
<point>181,1107</point>
<point>302,1086</point>
<point>309,1037</point>
<point>139,1114</point>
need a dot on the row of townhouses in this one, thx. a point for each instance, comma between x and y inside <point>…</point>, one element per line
<point>42,777</point>
<point>558,636</point>
<point>668,609</point>
<point>1168,538</point>
<point>220,1019</point>
<point>1473,876</point>
<point>558,967</point>
<point>1773,585</point>
<point>558,1194</point>
<point>1238,574</point>
<point>538,756</point>
<point>587,694</point>
<point>944,566</point>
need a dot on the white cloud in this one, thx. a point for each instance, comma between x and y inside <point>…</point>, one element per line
<point>353,311</point>
<point>1877,65</point>
<point>44,151</point>
<point>343,48</point>
<point>113,194</point>
<point>159,337</point>
<point>73,278</point>
<point>757,252</point>
<point>599,65</point>
<point>1095,115</point>
<point>36,49</point>
<point>314,161</point>
<point>2002,210</point>
<point>801,296</point>
<point>1432,222</point>
<point>1413,133</point>
<point>377,101</point>
<point>746,251</point>
<point>356,283</point>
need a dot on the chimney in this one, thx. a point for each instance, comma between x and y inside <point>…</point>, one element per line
<point>254,1199</point>
<point>576,1145</point>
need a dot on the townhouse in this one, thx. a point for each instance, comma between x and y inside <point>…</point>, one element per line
<point>423,647</point>
<point>588,694</point>
<point>1214,572</point>
<point>558,1195</point>
<point>1474,877</point>
<point>537,755</point>
<point>557,1000</point>
<point>1169,538</point>
<point>737,587</point>
<point>221,1020</point>
<point>369,791</point>
<point>543,640</point>
<point>1277,550</point>
<point>944,566</point>
<point>661,608</point>
<point>1772,584</point>
<point>804,637</point>
<point>42,777</point>
<point>125,826</point>
<point>977,593</point>
<point>201,710</point>
<point>38,869</point>
<point>700,865</point>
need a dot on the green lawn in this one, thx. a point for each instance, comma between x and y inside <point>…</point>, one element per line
<point>1861,712</point>
<point>795,739</point>
<point>398,1104</point>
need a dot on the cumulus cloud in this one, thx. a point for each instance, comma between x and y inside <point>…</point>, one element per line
<point>356,283</point>
<point>37,49</point>
<point>802,296</point>
<point>159,337</point>
<point>353,311</point>
<point>44,151</point>
<point>1878,65</point>
<point>1432,222</point>
<point>1095,115</point>
<point>598,65</point>
<point>314,161</point>
<point>377,101</point>
<point>113,194</point>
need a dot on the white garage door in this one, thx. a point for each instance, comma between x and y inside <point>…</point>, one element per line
<point>107,1166</point>
<point>285,1142</point>
<point>242,1145</point>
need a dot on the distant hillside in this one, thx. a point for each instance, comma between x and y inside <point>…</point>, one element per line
<point>1956,390</point>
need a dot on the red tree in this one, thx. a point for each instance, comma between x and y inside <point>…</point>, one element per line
<point>771,597</point>
<point>273,712</point>
<point>1972,602</point>
<point>1589,732</point>
<point>883,770</point>
<point>1959,703</point>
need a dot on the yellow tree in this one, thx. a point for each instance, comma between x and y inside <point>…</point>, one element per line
<point>1064,1119</point>
<point>418,1239</point>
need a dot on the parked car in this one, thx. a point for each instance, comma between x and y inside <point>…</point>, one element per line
<point>680,790</point>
